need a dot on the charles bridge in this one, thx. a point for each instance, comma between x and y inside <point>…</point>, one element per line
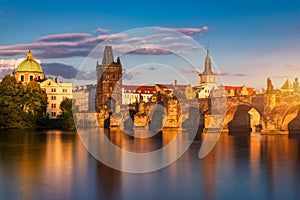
<point>269,113</point>
<point>275,112</point>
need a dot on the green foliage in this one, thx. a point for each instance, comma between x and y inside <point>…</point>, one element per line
<point>21,106</point>
<point>66,116</point>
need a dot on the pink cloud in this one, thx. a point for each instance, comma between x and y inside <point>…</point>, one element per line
<point>63,37</point>
<point>169,39</point>
<point>101,31</point>
<point>150,51</point>
<point>191,31</point>
<point>190,70</point>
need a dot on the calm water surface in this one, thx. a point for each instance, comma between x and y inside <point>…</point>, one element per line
<point>56,165</point>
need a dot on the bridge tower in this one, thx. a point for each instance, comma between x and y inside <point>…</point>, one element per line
<point>109,82</point>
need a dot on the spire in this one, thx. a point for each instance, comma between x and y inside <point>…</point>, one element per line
<point>208,70</point>
<point>108,57</point>
<point>29,55</point>
<point>118,61</point>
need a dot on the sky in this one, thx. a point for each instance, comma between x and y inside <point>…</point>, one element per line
<point>249,41</point>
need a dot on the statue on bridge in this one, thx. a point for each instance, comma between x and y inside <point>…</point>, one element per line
<point>270,87</point>
<point>296,85</point>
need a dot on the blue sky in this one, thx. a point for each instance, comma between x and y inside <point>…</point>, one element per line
<point>249,40</point>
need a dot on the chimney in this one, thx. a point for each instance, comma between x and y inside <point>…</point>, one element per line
<point>55,80</point>
<point>175,82</point>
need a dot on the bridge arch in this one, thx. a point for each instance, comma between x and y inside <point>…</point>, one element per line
<point>234,113</point>
<point>288,116</point>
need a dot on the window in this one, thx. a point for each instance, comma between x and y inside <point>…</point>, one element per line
<point>64,90</point>
<point>114,76</point>
<point>31,77</point>
<point>53,89</point>
<point>53,114</point>
<point>39,78</point>
<point>53,105</point>
<point>53,97</point>
<point>22,78</point>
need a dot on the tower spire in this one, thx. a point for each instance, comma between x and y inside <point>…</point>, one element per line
<point>108,57</point>
<point>207,69</point>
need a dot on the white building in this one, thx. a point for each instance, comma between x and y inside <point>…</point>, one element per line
<point>84,98</point>
<point>208,80</point>
<point>56,93</point>
<point>133,93</point>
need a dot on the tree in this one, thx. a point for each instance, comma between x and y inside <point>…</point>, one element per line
<point>66,116</point>
<point>21,106</point>
<point>35,102</point>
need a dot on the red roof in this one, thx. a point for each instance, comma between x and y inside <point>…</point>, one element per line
<point>171,86</point>
<point>238,89</point>
<point>144,89</point>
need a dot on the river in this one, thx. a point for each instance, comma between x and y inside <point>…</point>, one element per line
<point>53,164</point>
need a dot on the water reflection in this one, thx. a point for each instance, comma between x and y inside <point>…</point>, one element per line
<point>55,165</point>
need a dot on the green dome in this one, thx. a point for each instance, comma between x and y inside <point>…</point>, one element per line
<point>29,65</point>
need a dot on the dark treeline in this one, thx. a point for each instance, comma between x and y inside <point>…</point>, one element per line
<point>25,105</point>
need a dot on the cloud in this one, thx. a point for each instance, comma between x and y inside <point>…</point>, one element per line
<point>67,71</point>
<point>222,74</point>
<point>130,74</point>
<point>62,53</point>
<point>11,52</point>
<point>101,31</point>
<point>169,39</point>
<point>86,75</point>
<point>59,69</point>
<point>150,51</point>
<point>190,70</point>
<point>63,37</point>
<point>191,31</point>
<point>80,44</point>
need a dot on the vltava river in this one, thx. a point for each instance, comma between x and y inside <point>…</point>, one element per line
<point>56,165</point>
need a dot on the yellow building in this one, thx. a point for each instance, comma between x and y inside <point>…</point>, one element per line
<point>56,93</point>
<point>29,70</point>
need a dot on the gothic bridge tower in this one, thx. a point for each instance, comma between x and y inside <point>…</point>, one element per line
<point>109,82</point>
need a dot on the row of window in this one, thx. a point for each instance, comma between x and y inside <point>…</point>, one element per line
<point>111,77</point>
<point>54,90</point>
<point>54,98</point>
<point>31,77</point>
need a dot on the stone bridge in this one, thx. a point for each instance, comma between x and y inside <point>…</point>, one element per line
<point>271,112</point>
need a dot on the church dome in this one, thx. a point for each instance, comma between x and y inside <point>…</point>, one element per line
<point>29,65</point>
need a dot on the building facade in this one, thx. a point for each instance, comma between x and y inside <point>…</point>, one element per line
<point>135,93</point>
<point>56,93</point>
<point>84,98</point>
<point>109,82</point>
